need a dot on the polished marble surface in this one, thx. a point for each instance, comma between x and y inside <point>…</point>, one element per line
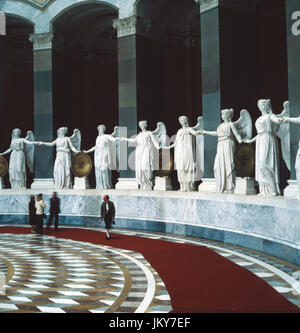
<point>270,225</point>
<point>47,274</point>
<point>53,275</point>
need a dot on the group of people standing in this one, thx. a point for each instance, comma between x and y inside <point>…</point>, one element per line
<point>37,212</point>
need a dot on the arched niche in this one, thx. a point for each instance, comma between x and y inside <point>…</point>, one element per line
<point>85,70</point>
<point>169,59</point>
<point>16,81</point>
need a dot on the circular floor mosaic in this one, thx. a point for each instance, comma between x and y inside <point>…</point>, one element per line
<point>51,275</point>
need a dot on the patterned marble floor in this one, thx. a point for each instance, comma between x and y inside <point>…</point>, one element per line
<point>283,276</point>
<point>47,274</point>
<point>50,275</point>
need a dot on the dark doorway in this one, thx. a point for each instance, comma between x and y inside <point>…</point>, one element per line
<point>85,72</point>
<point>16,83</point>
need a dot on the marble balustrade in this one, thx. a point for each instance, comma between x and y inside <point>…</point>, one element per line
<point>269,225</point>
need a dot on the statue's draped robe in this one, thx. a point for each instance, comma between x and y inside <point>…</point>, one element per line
<point>103,160</point>
<point>17,164</point>
<point>62,165</point>
<point>267,156</point>
<point>144,159</point>
<point>184,158</point>
<point>224,168</point>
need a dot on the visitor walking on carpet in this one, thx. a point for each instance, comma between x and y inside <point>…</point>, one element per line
<point>40,206</point>
<point>54,211</point>
<point>108,212</point>
<point>32,213</point>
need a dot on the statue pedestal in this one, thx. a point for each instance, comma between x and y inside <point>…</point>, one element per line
<point>291,191</point>
<point>127,184</point>
<point>81,183</point>
<point>2,187</point>
<point>163,184</point>
<point>43,184</point>
<point>245,186</point>
<point>208,185</point>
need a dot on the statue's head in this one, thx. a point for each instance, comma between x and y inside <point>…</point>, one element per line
<point>227,114</point>
<point>143,124</point>
<point>183,120</point>
<point>265,105</point>
<point>16,133</point>
<point>101,129</point>
<point>62,131</point>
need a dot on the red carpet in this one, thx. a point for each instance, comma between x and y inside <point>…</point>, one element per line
<point>198,279</point>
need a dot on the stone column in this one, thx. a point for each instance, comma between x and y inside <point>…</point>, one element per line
<point>43,109</point>
<point>227,47</point>
<point>128,29</point>
<point>293,48</point>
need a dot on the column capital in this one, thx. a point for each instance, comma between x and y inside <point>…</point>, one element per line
<point>42,41</point>
<point>206,5</point>
<point>132,25</point>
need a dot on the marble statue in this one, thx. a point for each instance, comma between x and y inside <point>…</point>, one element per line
<point>64,146</point>
<point>228,133</point>
<point>284,134</point>
<point>104,157</point>
<point>296,120</point>
<point>146,142</point>
<point>267,150</point>
<point>22,152</point>
<point>185,158</point>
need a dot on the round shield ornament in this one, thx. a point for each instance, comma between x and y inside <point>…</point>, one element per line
<point>166,161</point>
<point>245,160</point>
<point>3,166</point>
<point>81,165</point>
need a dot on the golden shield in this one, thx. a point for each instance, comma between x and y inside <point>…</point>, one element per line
<point>81,165</point>
<point>166,162</point>
<point>3,166</point>
<point>245,160</point>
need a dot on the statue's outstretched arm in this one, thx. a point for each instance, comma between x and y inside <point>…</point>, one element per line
<point>9,150</point>
<point>71,146</point>
<point>292,120</point>
<point>90,150</point>
<point>212,133</point>
<point>48,144</point>
<point>250,141</point>
<point>156,145</point>
<point>236,133</point>
<point>128,140</point>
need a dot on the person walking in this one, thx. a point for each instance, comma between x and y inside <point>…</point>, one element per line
<point>54,211</point>
<point>108,212</point>
<point>32,213</point>
<point>40,206</point>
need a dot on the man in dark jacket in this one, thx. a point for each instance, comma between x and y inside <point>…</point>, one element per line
<point>54,211</point>
<point>108,212</point>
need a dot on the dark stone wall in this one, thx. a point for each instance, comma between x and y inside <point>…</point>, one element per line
<point>16,86</point>
<point>293,45</point>
<point>85,95</point>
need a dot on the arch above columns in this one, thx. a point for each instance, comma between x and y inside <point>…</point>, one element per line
<point>19,9</point>
<point>42,14</point>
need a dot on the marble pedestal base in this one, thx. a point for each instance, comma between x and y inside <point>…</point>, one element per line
<point>208,185</point>
<point>2,183</point>
<point>127,184</point>
<point>43,184</point>
<point>163,184</point>
<point>245,186</point>
<point>81,183</point>
<point>291,191</point>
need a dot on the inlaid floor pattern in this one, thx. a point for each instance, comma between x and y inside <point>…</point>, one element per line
<point>51,275</point>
